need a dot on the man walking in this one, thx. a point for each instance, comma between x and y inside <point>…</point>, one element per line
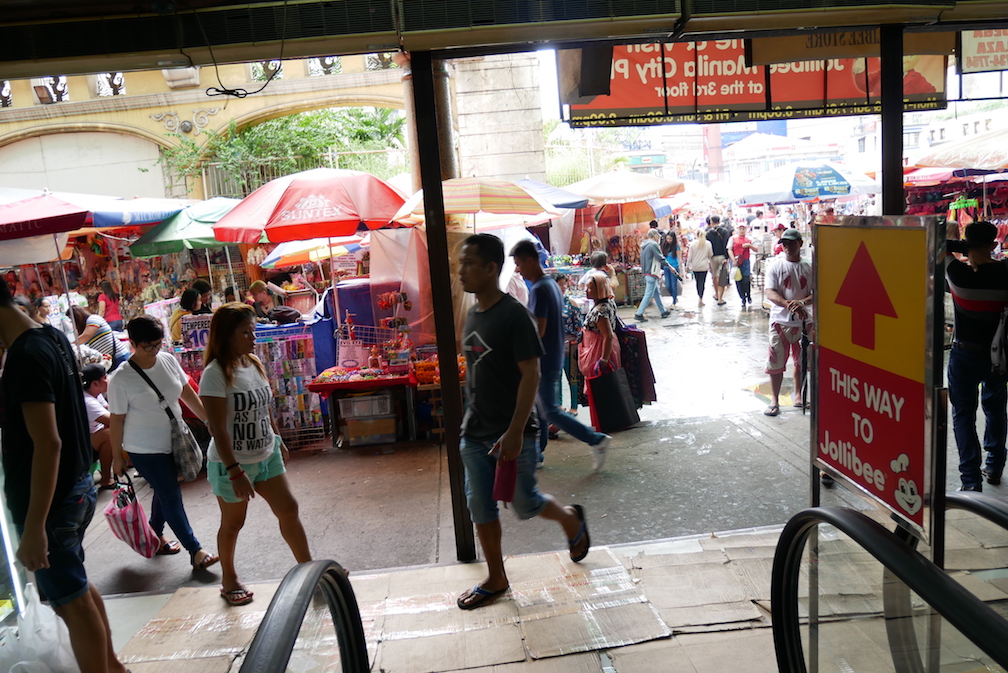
<point>546,304</point>
<point>652,262</point>
<point>789,289</point>
<point>979,288</point>
<point>47,457</point>
<point>739,250</point>
<point>719,256</point>
<point>502,350</point>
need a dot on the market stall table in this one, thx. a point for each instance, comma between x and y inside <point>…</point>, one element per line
<point>335,390</point>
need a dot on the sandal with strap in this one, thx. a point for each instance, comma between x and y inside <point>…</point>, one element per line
<point>169,547</point>
<point>772,410</point>
<point>478,597</point>
<point>236,597</point>
<point>582,534</point>
<point>204,562</point>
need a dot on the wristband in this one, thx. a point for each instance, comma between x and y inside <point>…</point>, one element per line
<point>238,476</point>
<point>228,468</point>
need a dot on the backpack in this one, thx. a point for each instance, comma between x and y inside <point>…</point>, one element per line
<point>999,346</point>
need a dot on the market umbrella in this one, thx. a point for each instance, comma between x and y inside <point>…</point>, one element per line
<point>625,187</point>
<point>39,216</point>
<point>185,230</point>
<point>987,152</point>
<point>293,253</point>
<point>125,212</point>
<point>806,182</point>
<point>481,204</point>
<point>31,225</point>
<point>465,196</point>
<point>319,202</point>
<point>559,198</point>
<point>936,176</point>
<point>687,201</point>
<point>634,212</point>
<point>188,229</point>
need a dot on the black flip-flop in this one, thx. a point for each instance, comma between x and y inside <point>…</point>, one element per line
<point>483,596</point>
<point>582,532</point>
<point>772,410</point>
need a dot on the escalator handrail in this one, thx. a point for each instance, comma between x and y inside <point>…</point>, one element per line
<point>993,509</point>
<point>971,616</point>
<point>274,640</point>
<point>896,595</point>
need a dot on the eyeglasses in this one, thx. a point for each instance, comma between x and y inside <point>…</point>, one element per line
<point>152,347</point>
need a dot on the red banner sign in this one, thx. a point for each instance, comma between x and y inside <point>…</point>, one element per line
<point>710,82</point>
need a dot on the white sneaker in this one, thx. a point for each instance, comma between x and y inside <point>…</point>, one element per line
<point>599,452</point>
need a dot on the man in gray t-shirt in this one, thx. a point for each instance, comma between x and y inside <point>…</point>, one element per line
<point>502,349</point>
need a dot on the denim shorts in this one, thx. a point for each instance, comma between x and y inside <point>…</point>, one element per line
<point>220,481</point>
<point>64,581</point>
<point>479,479</point>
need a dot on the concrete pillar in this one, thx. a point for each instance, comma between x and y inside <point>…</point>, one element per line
<point>445,128</point>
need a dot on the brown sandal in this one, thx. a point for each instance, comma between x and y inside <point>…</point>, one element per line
<point>204,562</point>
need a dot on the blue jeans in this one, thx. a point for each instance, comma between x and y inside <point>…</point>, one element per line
<point>745,285</point>
<point>65,580</point>
<point>480,469</point>
<point>570,381</point>
<point>159,471</point>
<point>547,402</point>
<point>650,292</point>
<point>672,284</point>
<point>967,370</point>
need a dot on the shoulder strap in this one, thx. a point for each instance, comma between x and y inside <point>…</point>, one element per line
<point>167,407</point>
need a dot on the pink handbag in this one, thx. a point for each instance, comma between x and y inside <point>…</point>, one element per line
<point>126,518</point>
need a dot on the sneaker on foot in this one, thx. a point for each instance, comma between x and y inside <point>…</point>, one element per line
<point>599,452</point>
<point>665,314</point>
<point>640,318</point>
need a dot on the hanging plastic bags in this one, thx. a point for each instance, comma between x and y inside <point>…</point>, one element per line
<point>43,643</point>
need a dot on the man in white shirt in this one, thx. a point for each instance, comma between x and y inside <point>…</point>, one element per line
<point>789,289</point>
<point>95,383</point>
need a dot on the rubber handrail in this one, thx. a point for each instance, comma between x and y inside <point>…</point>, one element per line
<point>993,509</point>
<point>896,595</point>
<point>964,611</point>
<point>274,640</point>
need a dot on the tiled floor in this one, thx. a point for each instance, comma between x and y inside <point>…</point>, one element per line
<point>699,605</point>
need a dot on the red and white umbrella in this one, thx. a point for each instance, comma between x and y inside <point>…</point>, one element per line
<point>312,204</point>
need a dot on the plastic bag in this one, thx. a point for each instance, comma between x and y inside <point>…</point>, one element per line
<point>44,638</point>
<point>126,518</point>
<point>11,651</point>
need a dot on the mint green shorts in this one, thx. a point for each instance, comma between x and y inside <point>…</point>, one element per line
<point>220,482</point>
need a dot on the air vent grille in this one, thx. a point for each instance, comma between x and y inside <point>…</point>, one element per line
<point>702,7</point>
<point>420,15</point>
<point>185,31</point>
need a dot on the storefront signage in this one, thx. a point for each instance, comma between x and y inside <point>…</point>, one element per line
<point>872,367</point>
<point>711,82</point>
<point>844,44</point>
<point>983,51</point>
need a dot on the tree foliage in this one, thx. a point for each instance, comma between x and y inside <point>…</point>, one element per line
<point>368,139</point>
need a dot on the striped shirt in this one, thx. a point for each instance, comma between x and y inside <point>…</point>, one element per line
<point>979,295</point>
<point>103,340</point>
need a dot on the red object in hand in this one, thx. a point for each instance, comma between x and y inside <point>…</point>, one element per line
<point>505,479</point>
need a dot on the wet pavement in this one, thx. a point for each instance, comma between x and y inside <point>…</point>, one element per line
<point>703,459</point>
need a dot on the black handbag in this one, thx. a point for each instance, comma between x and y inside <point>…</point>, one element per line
<point>185,449</point>
<point>610,399</point>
